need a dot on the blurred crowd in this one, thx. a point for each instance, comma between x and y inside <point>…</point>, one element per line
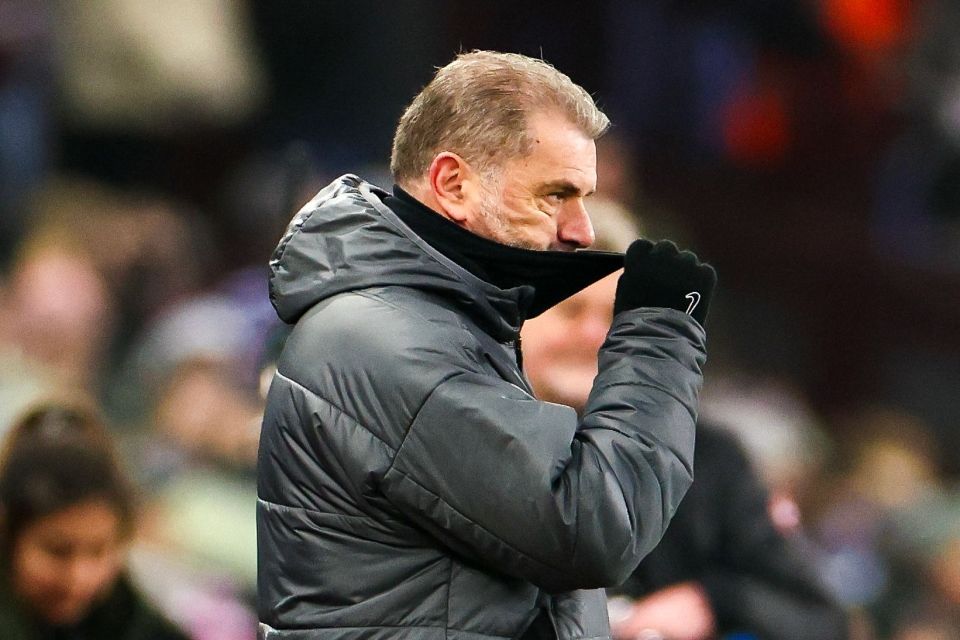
<point>151,154</point>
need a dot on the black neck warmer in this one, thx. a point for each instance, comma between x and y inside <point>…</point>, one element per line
<point>554,275</point>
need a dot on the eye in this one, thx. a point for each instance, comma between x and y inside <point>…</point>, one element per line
<point>58,550</point>
<point>553,200</point>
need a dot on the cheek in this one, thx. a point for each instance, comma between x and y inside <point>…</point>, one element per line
<point>523,210</point>
<point>110,567</point>
<point>36,573</point>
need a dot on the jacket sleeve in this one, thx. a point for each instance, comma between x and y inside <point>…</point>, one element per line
<point>523,487</point>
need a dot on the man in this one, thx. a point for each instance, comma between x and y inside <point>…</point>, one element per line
<point>410,485</point>
<point>722,567</point>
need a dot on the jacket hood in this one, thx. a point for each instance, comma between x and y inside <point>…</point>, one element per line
<point>346,239</point>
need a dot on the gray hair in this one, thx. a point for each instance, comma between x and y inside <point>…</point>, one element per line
<point>478,106</point>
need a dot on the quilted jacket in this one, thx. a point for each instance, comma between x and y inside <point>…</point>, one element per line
<point>410,485</point>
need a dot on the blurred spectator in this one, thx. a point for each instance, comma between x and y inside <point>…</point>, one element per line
<point>197,369</point>
<point>925,599</point>
<point>874,522</point>
<point>56,313</point>
<point>96,265</point>
<point>150,250</point>
<point>560,358</point>
<point>778,431</point>
<point>68,515</point>
<point>99,265</point>
<point>722,566</point>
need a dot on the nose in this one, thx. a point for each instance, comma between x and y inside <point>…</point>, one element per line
<point>574,229</point>
<point>85,578</point>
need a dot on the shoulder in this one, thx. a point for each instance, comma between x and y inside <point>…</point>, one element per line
<point>379,322</point>
<point>379,338</point>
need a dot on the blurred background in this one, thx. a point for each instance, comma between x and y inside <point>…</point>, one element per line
<point>151,154</point>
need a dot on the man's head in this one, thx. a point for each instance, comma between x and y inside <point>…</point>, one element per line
<point>503,145</point>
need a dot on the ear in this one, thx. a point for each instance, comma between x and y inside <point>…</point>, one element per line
<point>454,187</point>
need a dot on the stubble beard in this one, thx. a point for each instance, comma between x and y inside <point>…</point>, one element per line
<point>495,222</point>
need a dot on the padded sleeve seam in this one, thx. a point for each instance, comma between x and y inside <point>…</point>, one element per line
<point>320,398</point>
<point>475,523</point>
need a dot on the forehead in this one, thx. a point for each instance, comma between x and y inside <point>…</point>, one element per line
<point>87,522</point>
<point>560,152</point>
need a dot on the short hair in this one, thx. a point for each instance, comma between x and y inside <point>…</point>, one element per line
<point>478,106</point>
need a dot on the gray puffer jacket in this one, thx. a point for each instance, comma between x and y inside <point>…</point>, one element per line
<point>410,486</point>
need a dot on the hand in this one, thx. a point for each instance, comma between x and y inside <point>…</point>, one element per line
<point>678,612</point>
<point>660,275</point>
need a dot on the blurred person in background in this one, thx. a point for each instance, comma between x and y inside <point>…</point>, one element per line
<point>923,602</point>
<point>409,484</point>
<point>778,430</point>
<point>197,366</point>
<point>67,516</point>
<point>96,266</point>
<point>176,362</point>
<point>56,317</point>
<point>722,566</point>
<point>885,521</point>
<point>58,311</point>
<point>151,251</point>
<point>194,368</point>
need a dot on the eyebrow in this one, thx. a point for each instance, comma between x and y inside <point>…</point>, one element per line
<point>566,188</point>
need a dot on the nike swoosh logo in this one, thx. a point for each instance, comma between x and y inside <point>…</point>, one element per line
<point>694,299</point>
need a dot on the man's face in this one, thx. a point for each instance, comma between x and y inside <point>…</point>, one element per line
<point>560,345</point>
<point>537,202</point>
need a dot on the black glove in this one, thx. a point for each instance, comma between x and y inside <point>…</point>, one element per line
<point>660,275</point>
